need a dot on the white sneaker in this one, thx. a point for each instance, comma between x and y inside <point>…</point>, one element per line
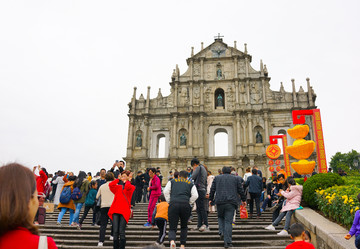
<point>270,227</point>
<point>100,244</point>
<point>111,238</point>
<point>202,228</point>
<point>283,232</point>
<point>172,245</point>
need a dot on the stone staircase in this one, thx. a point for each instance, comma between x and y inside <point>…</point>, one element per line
<point>248,233</point>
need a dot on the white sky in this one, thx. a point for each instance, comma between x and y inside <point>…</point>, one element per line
<point>68,68</point>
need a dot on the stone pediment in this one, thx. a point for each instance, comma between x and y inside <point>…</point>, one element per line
<point>217,49</point>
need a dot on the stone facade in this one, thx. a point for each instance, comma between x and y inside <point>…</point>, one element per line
<point>219,92</point>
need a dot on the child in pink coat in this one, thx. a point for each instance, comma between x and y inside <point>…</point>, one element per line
<point>292,202</point>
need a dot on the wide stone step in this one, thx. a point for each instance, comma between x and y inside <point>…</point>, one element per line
<point>247,233</point>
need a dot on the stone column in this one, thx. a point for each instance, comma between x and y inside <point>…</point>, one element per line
<point>191,69</point>
<point>246,67</point>
<point>201,68</point>
<point>174,140</point>
<point>202,139</point>
<point>190,130</point>
<point>237,92</point>
<point>248,91</point>
<point>133,102</point>
<point>235,67</point>
<point>147,100</point>
<point>250,129</point>
<point>202,96</point>
<point>146,142</point>
<point>176,95</point>
<point>130,137</point>
<point>294,93</point>
<point>266,119</point>
<point>238,128</point>
<point>264,92</point>
<point>311,103</point>
<point>191,96</point>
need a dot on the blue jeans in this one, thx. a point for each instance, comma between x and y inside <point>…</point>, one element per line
<point>287,219</point>
<point>63,211</point>
<point>225,218</point>
<point>357,241</point>
<point>77,212</point>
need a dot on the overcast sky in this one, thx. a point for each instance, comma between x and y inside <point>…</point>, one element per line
<point>68,68</point>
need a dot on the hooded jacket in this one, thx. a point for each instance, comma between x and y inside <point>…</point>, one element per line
<point>293,197</point>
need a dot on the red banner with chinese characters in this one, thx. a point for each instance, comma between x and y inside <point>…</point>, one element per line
<point>299,118</point>
<point>274,140</point>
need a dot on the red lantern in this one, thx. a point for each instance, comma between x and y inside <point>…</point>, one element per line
<point>278,168</point>
<point>271,162</point>
<point>271,169</point>
<point>277,162</point>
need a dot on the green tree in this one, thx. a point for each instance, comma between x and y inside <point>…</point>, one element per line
<point>345,161</point>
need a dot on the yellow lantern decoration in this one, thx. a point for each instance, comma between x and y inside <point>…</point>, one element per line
<point>301,150</point>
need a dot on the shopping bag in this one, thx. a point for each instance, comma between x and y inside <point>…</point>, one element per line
<point>243,212</point>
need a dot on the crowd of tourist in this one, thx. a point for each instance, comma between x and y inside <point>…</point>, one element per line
<point>112,194</point>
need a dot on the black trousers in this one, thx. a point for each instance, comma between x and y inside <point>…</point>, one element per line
<point>138,194</point>
<point>104,219</point>
<point>277,210</point>
<point>179,210</point>
<point>161,224</point>
<point>119,226</point>
<point>86,211</point>
<point>255,197</point>
<point>200,209</point>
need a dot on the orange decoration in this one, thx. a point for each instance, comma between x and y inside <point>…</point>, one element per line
<point>271,162</point>
<point>273,151</point>
<point>271,169</point>
<point>301,150</point>
<point>278,168</point>
<point>299,131</point>
<point>277,162</point>
<point>303,167</point>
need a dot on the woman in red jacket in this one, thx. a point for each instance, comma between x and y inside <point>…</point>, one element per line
<point>120,209</point>
<point>18,206</point>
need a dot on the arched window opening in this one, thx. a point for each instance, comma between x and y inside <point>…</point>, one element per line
<point>161,150</point>
<point>221,143</point>
<point>281,132</point>
<point>219,98</point>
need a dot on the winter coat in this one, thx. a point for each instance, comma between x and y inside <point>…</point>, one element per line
<point>228,188</point>
<point>21,237</point>
<point>155,186</point>
<point>293,198</point>
<point>122,200</point>
<point>91,197</point>
<point>70,204</point>
<point>40,182</point>
<point>60,183</point>
<point>254,182</point>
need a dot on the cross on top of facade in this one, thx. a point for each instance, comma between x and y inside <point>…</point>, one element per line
<point>218,36</point>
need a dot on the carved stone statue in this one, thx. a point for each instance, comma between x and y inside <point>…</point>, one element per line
<point>138,140</point>
<point>183,140</point>
<point>259,139</point>
<point>219,73</point>
<point>220,100</point>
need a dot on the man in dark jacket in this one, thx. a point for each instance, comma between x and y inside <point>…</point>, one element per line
<point>139,184</point>
<point>199,177</point>
<point>255,188</point>
<point>227,188</point>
